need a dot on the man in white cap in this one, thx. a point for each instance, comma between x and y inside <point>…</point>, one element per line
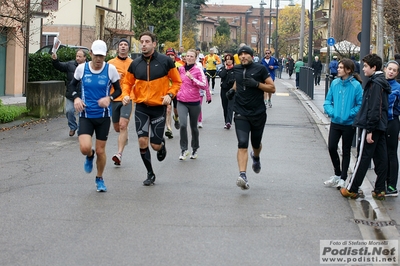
<point>93,105</point>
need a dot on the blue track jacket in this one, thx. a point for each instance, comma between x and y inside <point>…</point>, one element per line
<point>343,100</point>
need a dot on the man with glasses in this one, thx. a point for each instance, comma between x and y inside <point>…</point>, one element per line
<point>271,64</point>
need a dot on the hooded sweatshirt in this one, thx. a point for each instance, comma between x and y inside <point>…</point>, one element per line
<point>373,114</point>
<point>343,100</point>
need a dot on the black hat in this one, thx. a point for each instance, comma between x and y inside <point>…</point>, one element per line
<point>197,49</point>
<point>124,40</point>
<point>245,49</point>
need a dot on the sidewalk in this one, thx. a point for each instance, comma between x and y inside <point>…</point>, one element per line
<point>388,210</point>
<point>7,100</point>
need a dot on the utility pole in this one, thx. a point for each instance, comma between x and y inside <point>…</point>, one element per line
<point>262,38</point>
<point>380,29</point>
<point>328,48</point>
<point>276,31</point>
<point>310,35</point>
<point>303,11</point>
<point>269,30</point>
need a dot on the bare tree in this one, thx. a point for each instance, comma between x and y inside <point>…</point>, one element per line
<point>391,11</point>
<point>115,27</point>
<point>16,17</point>
<point>342,26</point>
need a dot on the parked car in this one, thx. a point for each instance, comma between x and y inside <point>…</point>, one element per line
<point>47,49</point>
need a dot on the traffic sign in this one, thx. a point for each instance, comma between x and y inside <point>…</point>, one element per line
<point>331,41</point>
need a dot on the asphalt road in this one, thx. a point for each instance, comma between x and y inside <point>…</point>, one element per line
<point>51,213</point>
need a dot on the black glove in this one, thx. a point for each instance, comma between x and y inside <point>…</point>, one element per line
<point>229,94</point>
<point>250,82</point>
<point>209,101</point>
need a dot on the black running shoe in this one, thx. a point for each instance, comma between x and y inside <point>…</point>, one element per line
<point>162,152</point>
<point>151,178</point>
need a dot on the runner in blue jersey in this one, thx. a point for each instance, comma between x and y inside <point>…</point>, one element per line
<point>93,105</point>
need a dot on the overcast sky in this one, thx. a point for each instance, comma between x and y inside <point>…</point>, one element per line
<point>256,3</point>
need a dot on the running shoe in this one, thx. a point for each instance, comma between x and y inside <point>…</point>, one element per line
<point>256,163</point>
<point>88,165</point>
<point>193,155</point>
<point>117,158</point>
<point>151,178</point>
<point>269,104</point>
<point>200,124</point>
<point>341,183</point>
<point>378,195</point>
<point>242,182</point>
<point>227,126</point>
<point>333,181</point>
<point>183,155</point>
<point>176,124</point>
<point>212,92</point>
<point>162,152</point>
<point>391,192</point>
<point>168,133</point>
<point>347,194</point>
<point>101,187</point>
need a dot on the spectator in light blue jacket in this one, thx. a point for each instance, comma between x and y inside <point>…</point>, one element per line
<point>342,103</point>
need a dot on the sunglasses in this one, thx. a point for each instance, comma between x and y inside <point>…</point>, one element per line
<point>267,53</point>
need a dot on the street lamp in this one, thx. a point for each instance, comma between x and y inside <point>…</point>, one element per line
<point>262,26</point>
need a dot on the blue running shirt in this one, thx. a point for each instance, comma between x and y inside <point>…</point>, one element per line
<point>95,85</point>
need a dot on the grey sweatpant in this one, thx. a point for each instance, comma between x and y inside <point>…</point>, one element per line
<point>193,110</point>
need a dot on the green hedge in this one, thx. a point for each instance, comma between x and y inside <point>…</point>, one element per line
<point>41,67</point>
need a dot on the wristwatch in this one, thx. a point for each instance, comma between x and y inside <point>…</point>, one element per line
<point>111,98</point>
<point>171,95</point>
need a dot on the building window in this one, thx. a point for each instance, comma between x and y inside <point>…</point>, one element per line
<point>48,38</point>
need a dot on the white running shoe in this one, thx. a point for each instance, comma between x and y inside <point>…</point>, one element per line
<point>200,124</point>
<point>193,155</point>
<point>241,182</point>
<point>183,155</point>
<point>332,182</point>
<point>341,183</point>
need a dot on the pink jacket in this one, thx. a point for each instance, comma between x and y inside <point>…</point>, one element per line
<point>190,88</point>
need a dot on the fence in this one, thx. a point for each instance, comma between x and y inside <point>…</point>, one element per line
<point>306,81</point>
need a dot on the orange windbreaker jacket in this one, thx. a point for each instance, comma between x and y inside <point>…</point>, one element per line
<point>150,79</point>
<point>122,68</point>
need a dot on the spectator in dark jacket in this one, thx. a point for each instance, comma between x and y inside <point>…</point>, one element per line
<point>333,65</point>
<point>357,68</point>
<point>317,66</point>
<point>290,66</point>
<point>69,67</point>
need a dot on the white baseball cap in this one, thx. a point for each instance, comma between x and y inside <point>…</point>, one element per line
<point>99,47</point>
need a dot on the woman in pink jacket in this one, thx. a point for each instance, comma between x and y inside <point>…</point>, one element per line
<point>193,80</point>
